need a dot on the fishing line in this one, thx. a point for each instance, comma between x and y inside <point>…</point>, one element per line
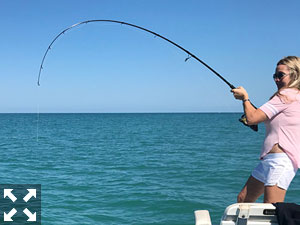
<point>38,117</point>
<point>190,55</point>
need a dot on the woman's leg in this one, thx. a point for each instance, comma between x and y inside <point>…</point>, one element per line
<point>273,194</point>
<point>251,191</point>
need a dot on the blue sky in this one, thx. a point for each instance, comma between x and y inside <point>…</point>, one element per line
<point>102,67</point>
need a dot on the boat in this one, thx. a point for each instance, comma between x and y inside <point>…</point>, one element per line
<point>242,214</point>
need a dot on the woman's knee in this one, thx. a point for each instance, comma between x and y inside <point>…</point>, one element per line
<point>241,197</point>
<point>251,191</point>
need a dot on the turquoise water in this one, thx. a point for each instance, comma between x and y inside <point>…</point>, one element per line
<point>131,168</point>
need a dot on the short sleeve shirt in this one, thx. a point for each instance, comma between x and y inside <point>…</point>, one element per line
<point>283,124</point>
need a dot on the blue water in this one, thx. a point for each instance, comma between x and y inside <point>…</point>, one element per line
<point>131,168</point>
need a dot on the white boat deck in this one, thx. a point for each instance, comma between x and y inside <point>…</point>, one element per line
<point>242,214</point>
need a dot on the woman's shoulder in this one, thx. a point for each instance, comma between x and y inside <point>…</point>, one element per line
<point>289,95</point>
<point>289,91</point>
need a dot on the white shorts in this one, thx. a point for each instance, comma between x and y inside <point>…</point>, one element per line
<point>275,169</point>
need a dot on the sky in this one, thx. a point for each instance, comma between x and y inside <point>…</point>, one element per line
<point>105,67</point>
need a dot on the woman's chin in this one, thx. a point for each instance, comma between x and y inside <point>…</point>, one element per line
<point>279,86</point>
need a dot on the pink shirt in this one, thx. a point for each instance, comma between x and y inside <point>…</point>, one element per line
<point>283,125</point>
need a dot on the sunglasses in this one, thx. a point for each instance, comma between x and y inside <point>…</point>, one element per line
<point>279,75</point>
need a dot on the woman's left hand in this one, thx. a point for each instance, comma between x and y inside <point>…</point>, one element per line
<point>240,93</point>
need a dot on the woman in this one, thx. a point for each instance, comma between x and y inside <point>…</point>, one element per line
<point>280,154</point>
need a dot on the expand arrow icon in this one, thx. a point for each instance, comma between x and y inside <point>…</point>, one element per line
<point>7,192</point>
<point>31,217</point>
<point>31,193</point>
<point>7,217</point>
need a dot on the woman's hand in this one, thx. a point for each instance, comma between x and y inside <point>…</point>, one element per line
<point>253,115</point>
<point>240,93</point>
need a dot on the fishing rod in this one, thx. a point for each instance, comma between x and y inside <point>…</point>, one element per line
<point>242,119</point>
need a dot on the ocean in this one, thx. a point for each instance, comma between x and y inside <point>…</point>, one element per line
<point>139,169</point>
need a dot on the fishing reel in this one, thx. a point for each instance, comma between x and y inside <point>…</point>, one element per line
<point>243,120</point>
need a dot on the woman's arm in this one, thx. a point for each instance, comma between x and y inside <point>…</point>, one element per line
<point>253,115</point>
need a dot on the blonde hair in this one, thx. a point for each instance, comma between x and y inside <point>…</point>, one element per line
<point>293,64</point>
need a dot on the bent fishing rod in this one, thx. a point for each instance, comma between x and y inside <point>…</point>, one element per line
<point>242,119</point>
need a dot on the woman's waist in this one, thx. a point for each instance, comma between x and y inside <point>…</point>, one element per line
<point>276,149</point>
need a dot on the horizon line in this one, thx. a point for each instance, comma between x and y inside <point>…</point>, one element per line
<point>111,112</point>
